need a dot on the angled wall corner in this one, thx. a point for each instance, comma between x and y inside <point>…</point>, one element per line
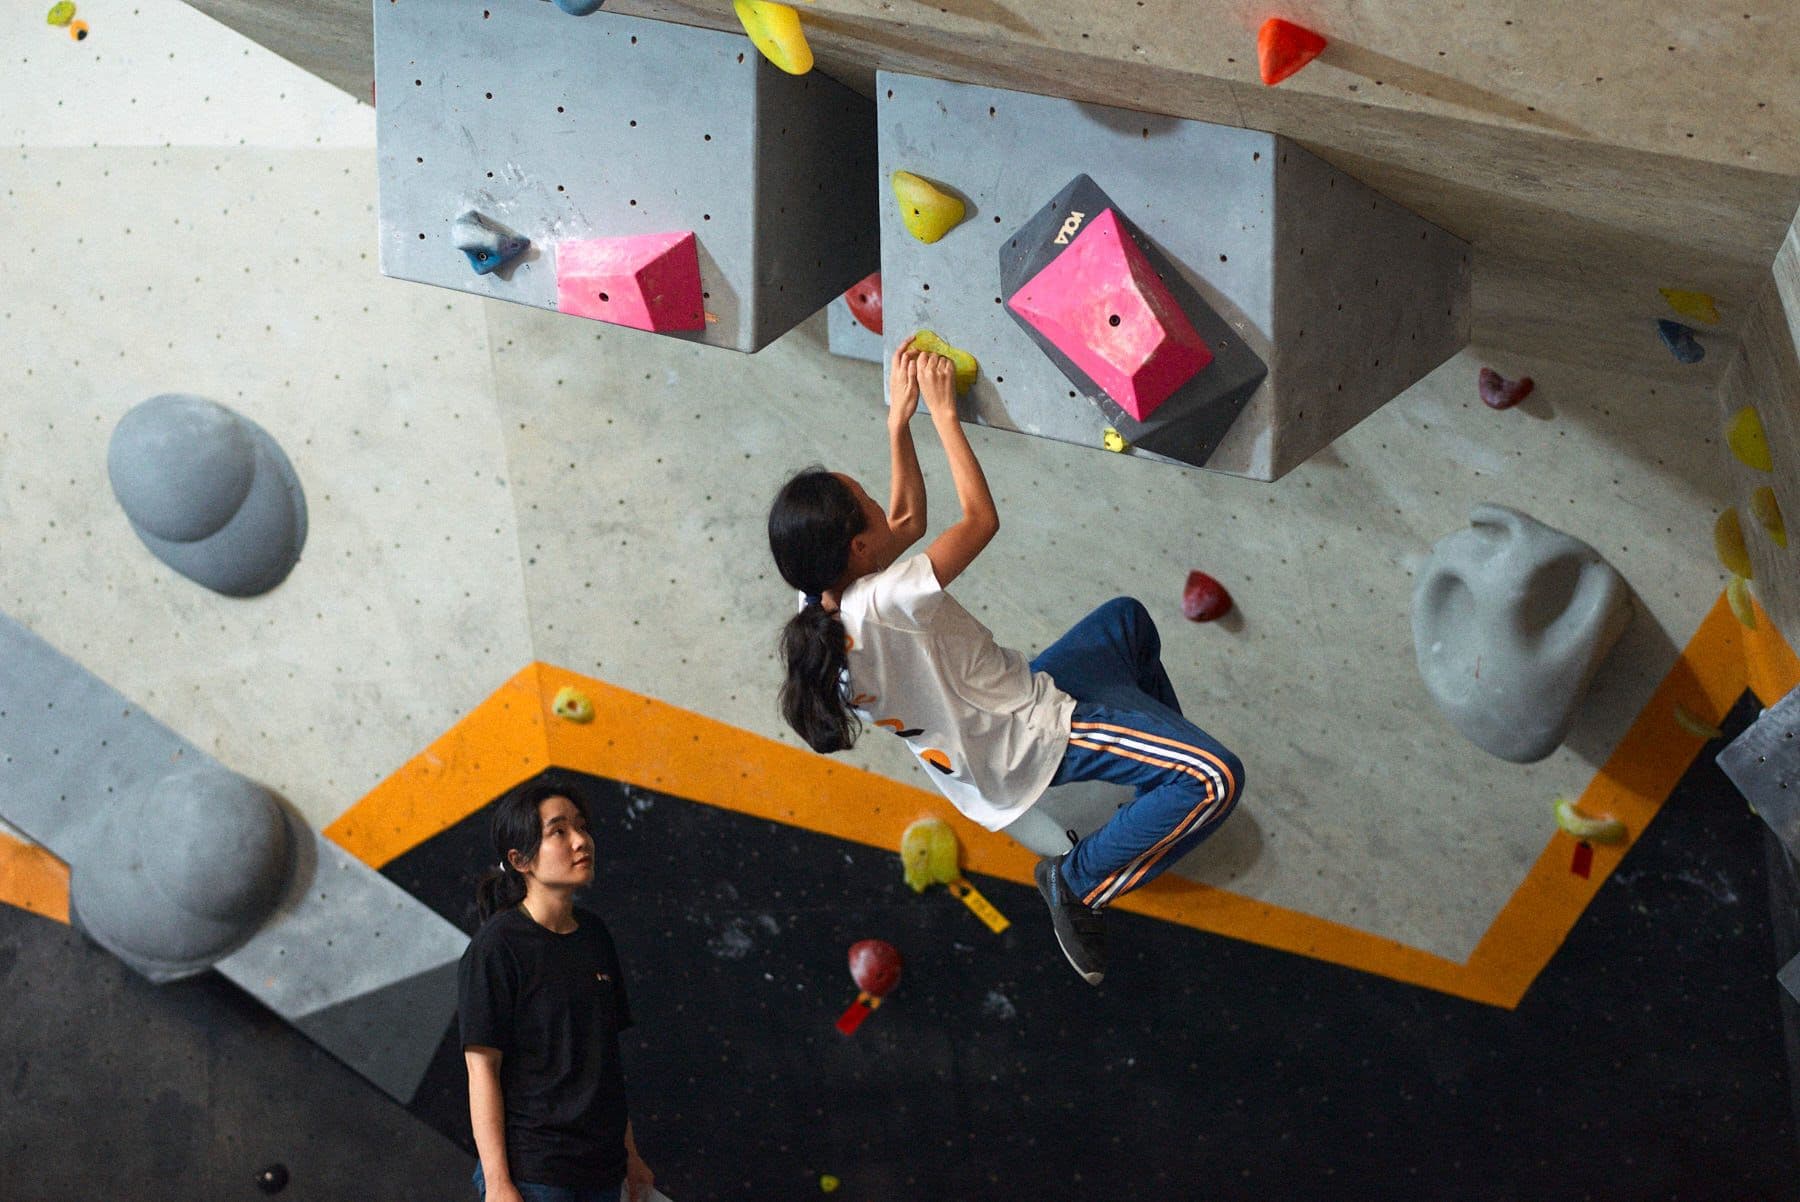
<point>1345,296</point>
<point>569,129</point>
<point>1765,375</point>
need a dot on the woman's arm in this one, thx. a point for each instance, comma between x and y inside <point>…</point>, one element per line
<point>906,502</point>
<point>487,1115</point>
<point>957,547</point>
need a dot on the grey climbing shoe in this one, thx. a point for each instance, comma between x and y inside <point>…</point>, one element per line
<point>1078,929</point>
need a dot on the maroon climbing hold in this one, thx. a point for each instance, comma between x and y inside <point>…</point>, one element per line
<point>1498,392</point>
<point>875,966</point>
<point>864,299</point>
<point>1204,598</point>
<point>1283,47</point>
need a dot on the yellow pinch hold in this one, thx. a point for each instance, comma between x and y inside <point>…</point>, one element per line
<point>928,854</point>
<point>1594,830</point>
<point>1728,541</point>
<point>1698,305</point>
<point>928,211</point>
<point>1767,511</point>
<point>1114,441</point>
<point>1685,719</point>
<point>775,29</point>
<point>966,364</point>
<point>1744,435</point>
<point>1737,595</point>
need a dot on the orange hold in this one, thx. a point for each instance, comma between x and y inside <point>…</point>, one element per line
<point>1283,47</point>
<point>937,759</point>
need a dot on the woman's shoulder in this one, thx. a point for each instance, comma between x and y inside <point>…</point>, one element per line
<point>500,929</point>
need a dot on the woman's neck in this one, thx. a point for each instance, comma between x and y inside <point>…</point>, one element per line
<point>553,909</point>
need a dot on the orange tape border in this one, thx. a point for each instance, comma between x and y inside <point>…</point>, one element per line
<point>648,743</point>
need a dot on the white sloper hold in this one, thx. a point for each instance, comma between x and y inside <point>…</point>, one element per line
<point>1511,620</point>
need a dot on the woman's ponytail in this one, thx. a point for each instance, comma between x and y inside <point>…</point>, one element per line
<point>814,517</point>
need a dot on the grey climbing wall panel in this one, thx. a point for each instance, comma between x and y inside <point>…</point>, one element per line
<point>348,957</point>
<point>1764,763</point>
<point>1346,296</point>
<point>562,127</point>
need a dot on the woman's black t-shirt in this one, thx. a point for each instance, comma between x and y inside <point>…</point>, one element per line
<point>554,1006</point>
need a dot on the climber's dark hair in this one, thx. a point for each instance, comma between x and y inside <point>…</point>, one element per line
<point>814,517</point>
<point>516,826</point>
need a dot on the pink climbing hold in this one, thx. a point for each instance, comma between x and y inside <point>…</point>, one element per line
<point>646,281</point>
<point>1102,304</point>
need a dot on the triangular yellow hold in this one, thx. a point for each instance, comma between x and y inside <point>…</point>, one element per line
<point>775,29</point>
<point>1747,441</point>
<point>928,211</point>
<point>1768,514</point>
<point>1697,305</point>
<point>1728,541</point>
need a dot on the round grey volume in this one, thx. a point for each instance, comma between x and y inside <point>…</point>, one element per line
<point>184,873</point>
<point>209,492</point>
<point>1511,620</point>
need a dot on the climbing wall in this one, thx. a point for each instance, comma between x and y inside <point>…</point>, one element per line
<point>565,129</point>
<point>1344,296</point>
<point>348,958</point>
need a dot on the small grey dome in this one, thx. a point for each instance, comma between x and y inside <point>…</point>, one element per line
<point>181,466</point>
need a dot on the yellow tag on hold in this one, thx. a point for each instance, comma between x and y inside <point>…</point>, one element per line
<point>971,897</point>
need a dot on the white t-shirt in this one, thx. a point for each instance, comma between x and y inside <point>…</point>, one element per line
<point>989,730</point>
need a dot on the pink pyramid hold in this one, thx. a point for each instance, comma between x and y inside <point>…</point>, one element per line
<point>1101,303</point>
<point>646,281</point>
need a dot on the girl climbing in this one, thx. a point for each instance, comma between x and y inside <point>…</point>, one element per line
<point>878,639</point>
<point>542,1005</point>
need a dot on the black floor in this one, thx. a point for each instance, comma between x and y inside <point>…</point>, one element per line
<point>1646,1062</point>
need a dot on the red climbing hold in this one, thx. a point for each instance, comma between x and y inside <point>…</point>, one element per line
<point>864,299</point>
<point>875,966</point>
<point>1283,47</point>
<point>1498,392</point>
<point>1204,598</point>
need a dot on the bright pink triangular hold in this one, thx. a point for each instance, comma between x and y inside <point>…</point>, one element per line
<point>646,281</point>
<point>1101,303</point>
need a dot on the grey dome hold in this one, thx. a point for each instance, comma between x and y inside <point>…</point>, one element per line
<point>209,492</point>
<point>1511,620</point>
<point>186,873</point>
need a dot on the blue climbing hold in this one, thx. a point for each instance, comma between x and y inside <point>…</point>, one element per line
<point>1680,340</point>
<point>579,8</point>
<point>488,245</point>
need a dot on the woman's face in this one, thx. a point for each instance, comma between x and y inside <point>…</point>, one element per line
<point>872,544</point>
<point>565,856</point>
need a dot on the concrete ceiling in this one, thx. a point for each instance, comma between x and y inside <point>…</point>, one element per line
<point>1590,154</point>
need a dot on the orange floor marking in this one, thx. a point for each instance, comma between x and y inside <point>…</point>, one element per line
<point>641,741</point>
<point>33,879</point>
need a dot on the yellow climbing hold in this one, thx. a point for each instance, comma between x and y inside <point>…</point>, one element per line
<point>1728,541</point>
<point>1685,719</point>
<point>775,28</point>
<point>1768,514</point>
<point>928,851</point>
<point>1747,441</point>
<point>928,211</point>
<point>1112,440</point>
<point>1594,830</point>
<point>572,704</point>
<point>828,1183</point>
<point>966,365</point>
<point>1737,595</point>
<point>61,13</point>
<point>1697,305</point>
